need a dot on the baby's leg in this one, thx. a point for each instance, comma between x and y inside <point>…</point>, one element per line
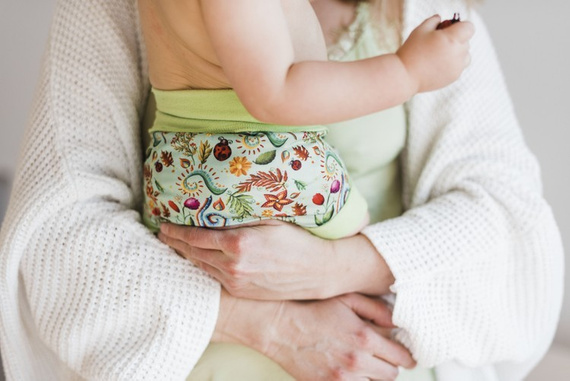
<point>352,217</point>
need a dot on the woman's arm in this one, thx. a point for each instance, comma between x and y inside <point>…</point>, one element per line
<point>252,41</point>
<point>86,291</point>
<point>478,247</point>
<point>281,261</point>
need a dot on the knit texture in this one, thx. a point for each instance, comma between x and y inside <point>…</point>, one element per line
<point>86,292</point>
<point>477,256</point>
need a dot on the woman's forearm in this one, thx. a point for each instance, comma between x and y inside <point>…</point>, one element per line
<point>236,326</point>
<point>359,267</point>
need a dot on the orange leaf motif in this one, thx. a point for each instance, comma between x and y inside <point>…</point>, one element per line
<point>165,211</point>
<point>299,209</point>
<point>301,152</point>
<point>272,181</point>
<point>166,158</point>
<point>295,195</point>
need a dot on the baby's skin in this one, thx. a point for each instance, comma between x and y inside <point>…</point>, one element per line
<point>273,54</point>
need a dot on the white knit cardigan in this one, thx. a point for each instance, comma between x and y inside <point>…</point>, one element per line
<point>86,292</point>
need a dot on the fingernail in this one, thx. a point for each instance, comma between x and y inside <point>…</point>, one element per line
<point>164,228</point>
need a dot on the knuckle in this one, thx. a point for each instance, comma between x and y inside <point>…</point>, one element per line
<point>338,374</point>
<point>364,337</point>
<point>233,269</point>
<point>239,243</point>
<point>236,269</point>
<point>353,361</point>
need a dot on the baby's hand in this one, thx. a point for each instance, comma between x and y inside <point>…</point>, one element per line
<point>436,58</point>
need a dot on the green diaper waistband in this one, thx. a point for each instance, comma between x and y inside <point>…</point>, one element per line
<point>210,111</point>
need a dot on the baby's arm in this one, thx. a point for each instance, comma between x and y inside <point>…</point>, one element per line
<point>253,44</point>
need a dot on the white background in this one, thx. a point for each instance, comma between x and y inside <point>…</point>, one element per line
<point>532,39</point>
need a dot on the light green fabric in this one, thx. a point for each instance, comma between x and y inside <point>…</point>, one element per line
<point>212,111</point>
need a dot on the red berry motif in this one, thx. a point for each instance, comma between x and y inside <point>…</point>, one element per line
<point>192,203</point>
<point>158,166</point>
<point>444,24</point>
<point>296,165</point>
<point>318,199</point>
<point>222,150</point>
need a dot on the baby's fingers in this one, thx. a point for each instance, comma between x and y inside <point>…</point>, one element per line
<point>429,24</point>
<point>460,31</point>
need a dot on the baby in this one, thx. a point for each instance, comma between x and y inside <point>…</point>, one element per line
<point>243,91</point>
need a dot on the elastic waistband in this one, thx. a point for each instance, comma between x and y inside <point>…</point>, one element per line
<point>213,111</point>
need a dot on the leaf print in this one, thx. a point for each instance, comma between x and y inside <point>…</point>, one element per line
<point>158,186</point>
<point>326,217</point>
<point>147,171</point>
<point>204,151</point>
<point>165,211</point>
<point>265,158</point>
<point>301,152</point>
<point>272,181</point>
<point>174,207</point>
<point>311,137</point>
<point>299,209</point>
<point>300,185</point>
<point>166,158</point>
<point>183,142</point>
<point>240,204</point>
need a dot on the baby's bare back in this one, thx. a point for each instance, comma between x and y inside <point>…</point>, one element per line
<point>181,55</point>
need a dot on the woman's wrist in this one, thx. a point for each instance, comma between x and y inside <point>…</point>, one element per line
<point>359,267</point>
<point>238,325</point>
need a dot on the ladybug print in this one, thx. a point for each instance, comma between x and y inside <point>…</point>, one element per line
<point>296,165</point>
<point>222,150</point>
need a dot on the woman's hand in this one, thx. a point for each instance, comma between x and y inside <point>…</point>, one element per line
<point>347,337</point>
<point>281,261</point>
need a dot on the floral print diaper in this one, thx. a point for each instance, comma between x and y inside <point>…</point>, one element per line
<point>216,180</point>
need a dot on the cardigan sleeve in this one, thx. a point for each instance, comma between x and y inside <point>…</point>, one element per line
<point>94,287</point>
<point>477,256</point>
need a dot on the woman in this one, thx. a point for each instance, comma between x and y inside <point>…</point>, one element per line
<point>89,293</point>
